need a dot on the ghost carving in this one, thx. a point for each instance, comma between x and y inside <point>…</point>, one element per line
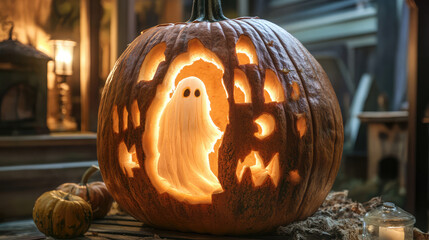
<point>187,136</point>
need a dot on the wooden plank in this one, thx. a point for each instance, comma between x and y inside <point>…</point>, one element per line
<point>120,217</point>
<point>104,236</point>
<point>384,117</point>
<point>25,229</point>
<point>142,231</point>
<point>20,188</point>
<point>120,222</point>
<point>53,139</point>
<point>53,148</point>
<point>34,167</point>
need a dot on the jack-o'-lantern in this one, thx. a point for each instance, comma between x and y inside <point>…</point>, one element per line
<point>222,126</point>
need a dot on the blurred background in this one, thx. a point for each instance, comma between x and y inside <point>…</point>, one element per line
<point>55,56</point>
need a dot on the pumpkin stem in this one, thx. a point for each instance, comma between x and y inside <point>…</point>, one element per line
<point>91,170</point>
<point>207,11</point>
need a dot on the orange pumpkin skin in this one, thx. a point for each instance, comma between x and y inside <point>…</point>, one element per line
<point>308,161</point>
<point>94,193</point>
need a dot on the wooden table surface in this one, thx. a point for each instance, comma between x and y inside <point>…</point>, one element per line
<point>112,227</point>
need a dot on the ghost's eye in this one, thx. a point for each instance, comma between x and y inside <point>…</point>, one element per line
<point>197,93</point>
<point>187,92</point>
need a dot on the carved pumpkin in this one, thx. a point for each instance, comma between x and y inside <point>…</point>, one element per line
<point>223,126</point>
<point>95,193</point>
<point>62,215</point>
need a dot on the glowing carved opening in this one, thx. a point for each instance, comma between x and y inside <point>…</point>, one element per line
<point>246,51</point>
<point>242,92</point>
<point>192,122</point>
<point>258,170</point>
<point>125,119</point>
<point>294,177</point>
<point>135,113</point>
<point>301,125</point>
<point>273,88</point>
<point>266,125</point>
<point>295,91</point>
<point>115,119</point>
<point>127,159</point>
<point>212,79</point>
<point>188,133</point>
<point>151,62</point>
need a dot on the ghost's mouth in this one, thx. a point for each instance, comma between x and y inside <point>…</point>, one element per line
<point>184,126</point>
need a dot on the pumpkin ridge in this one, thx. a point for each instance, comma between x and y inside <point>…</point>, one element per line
<point>232,63</point>
<point>316,72</point>
<point>181,36</point>
<point>335,120</point>
<point>335,149</point>
<point>312,120</point>
<point>225,81</point>
<point>227,180</point>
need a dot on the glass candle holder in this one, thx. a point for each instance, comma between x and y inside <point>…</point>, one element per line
<point>388,222</point>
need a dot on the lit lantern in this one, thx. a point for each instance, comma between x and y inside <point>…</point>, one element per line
<point>218,126</point>
<point>388,222</point>
<point>63,52</point>
<point>63,55</point>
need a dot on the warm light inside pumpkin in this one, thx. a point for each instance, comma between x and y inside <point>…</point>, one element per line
<point>294,177</point>
<point>266,125</point>
<point>259,172</point>
<point>185,122</point>
<point>125,118</point>
<point>242,92</point>
<point>151,62</point>
<point>301,125</point>
<point>246,51</point>
<point>187,136</point>
<point>273,87</point>
<point>128,159</point>
<point>135,113</point>
<point>295,91</point>
<point>184,112</point>
<point>115,119</point>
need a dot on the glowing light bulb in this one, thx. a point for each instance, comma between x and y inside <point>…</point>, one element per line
<point>63,50</point>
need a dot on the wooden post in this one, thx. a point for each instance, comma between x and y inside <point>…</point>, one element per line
<point>387,42</point>
<point>122,27</point>
<point>243,8</point>
<point>90,14</point>
<point>418,98</point>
